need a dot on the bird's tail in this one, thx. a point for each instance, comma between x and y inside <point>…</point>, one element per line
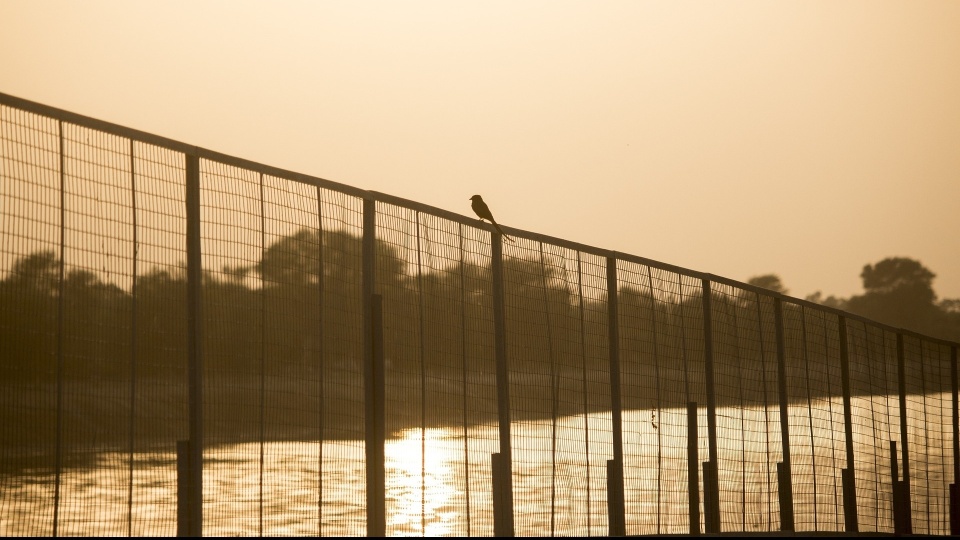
<point>499,230</point>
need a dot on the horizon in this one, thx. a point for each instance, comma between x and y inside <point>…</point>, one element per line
<point>524,103</point>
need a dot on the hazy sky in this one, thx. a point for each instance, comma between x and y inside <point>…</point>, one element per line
<point>738,138</point>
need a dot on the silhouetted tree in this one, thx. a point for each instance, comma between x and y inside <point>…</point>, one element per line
<point>898,292</point>
<point>830,301</point>
<point>769,281</point>
<point>28,317</point>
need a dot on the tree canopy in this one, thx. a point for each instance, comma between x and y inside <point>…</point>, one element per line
<point>899,291</point>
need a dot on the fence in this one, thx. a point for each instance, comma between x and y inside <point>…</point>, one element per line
<point>193,343</point>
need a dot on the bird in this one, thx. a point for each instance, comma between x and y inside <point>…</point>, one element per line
<point>483,211</point>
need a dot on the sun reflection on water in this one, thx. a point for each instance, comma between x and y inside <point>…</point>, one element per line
<point>420,484</point>
<point>438,480</point>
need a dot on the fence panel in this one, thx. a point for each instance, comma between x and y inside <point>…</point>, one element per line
<point>160,352</point>
<point>662,363</point>
<point>929,433</point>
<point>94,372</point>
<point>748,427</point>
<point>816,417</point>
<point>31,252</point>
<point>342,504</point>
<point>874,404</point>
<point>233,349</point>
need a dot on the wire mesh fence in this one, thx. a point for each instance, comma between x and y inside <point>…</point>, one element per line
<point>343,362</point>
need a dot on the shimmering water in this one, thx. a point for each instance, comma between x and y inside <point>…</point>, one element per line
<point>438,485</point>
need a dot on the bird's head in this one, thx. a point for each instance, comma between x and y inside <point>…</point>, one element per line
<point>476,198</point>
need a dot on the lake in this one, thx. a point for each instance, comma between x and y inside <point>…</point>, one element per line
<point>438,479</point>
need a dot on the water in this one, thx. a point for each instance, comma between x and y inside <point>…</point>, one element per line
<point>438,485</point>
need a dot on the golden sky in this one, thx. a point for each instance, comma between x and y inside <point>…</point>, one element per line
<point>740,138</point>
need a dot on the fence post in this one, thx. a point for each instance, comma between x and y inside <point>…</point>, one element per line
<point>848,475</point>
<point>904,448</point>
<point>499,495</point>
<point>899,523</point>
<point>503,388</point>
<point>58,445</point>
<point>195,343</point>
<point>784,472</point>
<point>373,377</point>
<point>955,487</point>
<point>183,488</point>
<point>616,506</point>
<point>615,502</point>
<point>711,485</point>
<point>693,469</point>
<point>711,499</point>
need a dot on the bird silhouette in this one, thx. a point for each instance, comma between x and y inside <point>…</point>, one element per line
<point>482,210</point>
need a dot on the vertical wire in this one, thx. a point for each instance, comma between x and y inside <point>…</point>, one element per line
<point>683,338</point>
<point>463,361</point>
<point>263,339</point>
<point>423,388</point>
<point>887,400</point>
<point>133,338</point>
<point>926,430</point>
<point>586,417</point>
<point>766,409</point>
<point>833,442</point>
<point>320,287</point>
<point>553,398</point>
<point>743,426</point>
<point>862,351</point>
<point>813,454</point>
<point>867,361</point>
<point>683,355</point>
<point>58,460</point>
<point>656,370</point>
<point>890,427</point>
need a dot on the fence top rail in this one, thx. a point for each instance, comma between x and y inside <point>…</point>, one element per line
<point>178,146</point>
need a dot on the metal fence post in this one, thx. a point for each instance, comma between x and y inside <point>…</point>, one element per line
<point>195,343</point>
<point>497,470</point>
<point>904,448</point>
<point>373,377</point>
<point>955,487</point>
<point>711,499</point>
<point>899,520</point>
<point>183,488</point>
<point>58,444</point>
<point>848,476</point>
<point>133,337</point>
<point>616,506</point>
<point>784,472</point>
<point>503,521</point>
<point>711,484</point>
<point>693,468</point>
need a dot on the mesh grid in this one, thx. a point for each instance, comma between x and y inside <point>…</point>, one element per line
<point>93,337</point>
<point>816,417</point>
<point>30,255</point>
<point>440,385</point>
<point>559,457</point>
<point>342,371</point>
<point>661,334</point>
<point>748,429</point>
<point>875,418</point>
<point>96,327</point>
<point>233,349</point>
<point>927,372</point>
<point>160,352</point>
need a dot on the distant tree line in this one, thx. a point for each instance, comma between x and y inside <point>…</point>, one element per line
<point>295,316</point>
<point>898,291</point>
<point>300,306</point>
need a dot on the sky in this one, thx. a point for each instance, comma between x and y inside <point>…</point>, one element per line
<point>740,138</point>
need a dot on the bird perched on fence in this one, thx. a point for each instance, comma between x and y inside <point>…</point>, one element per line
<point>483,211</point>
